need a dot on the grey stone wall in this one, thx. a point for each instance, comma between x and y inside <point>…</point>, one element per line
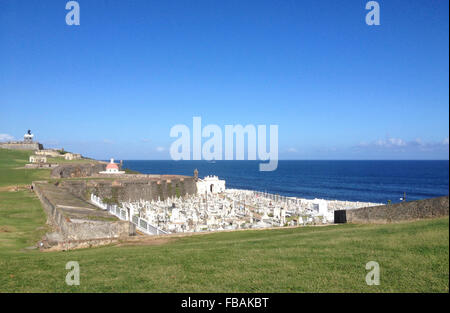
<point>132,189</point>
<point>80,229</point>
<point>21,146</point>
<point>404,211</point>
<point>77,170</point>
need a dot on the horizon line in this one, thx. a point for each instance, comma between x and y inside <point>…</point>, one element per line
<point>282,160</point>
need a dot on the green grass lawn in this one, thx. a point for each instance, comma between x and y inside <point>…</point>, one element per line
<point>413,257</point>
<point>11,173</point>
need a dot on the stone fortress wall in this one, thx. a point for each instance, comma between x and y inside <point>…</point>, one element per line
<point>404,211</point>
<point>19,145</point>
<point>26,144</point>
<point>78,170</point>
<point>77,226</point>
<point>133,188</point>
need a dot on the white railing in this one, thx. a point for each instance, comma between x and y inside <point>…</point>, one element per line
<point>141,224</point>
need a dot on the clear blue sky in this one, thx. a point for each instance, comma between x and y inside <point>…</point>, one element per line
<point>337,88</point>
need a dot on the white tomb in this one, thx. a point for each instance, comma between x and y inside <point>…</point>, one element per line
<point>210,184</point>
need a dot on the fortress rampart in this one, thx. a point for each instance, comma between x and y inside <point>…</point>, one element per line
<point>77,222</point>
<point>404,211</point>
<point>134,188</point>
<point>78,170</point>
<point>19,145</point>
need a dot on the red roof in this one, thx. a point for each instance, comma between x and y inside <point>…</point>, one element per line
<point>112,166</point>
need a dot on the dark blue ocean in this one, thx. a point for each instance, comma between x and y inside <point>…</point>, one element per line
<point>372,181</point>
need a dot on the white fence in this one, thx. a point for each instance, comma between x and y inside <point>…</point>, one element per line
<point>123,214</point>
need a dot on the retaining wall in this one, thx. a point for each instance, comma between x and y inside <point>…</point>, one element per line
<point>404,211</point>
<point>77,170</point>
<point>122,190</point>
<point>21,146</point>
<point>80,229</point>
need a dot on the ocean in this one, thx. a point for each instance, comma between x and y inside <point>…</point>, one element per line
<point>368,181</point>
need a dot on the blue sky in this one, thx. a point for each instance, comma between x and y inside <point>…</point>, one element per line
<point>337,88</point>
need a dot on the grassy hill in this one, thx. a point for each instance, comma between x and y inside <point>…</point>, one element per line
<point>413,257</point>
<point>12,171</point>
